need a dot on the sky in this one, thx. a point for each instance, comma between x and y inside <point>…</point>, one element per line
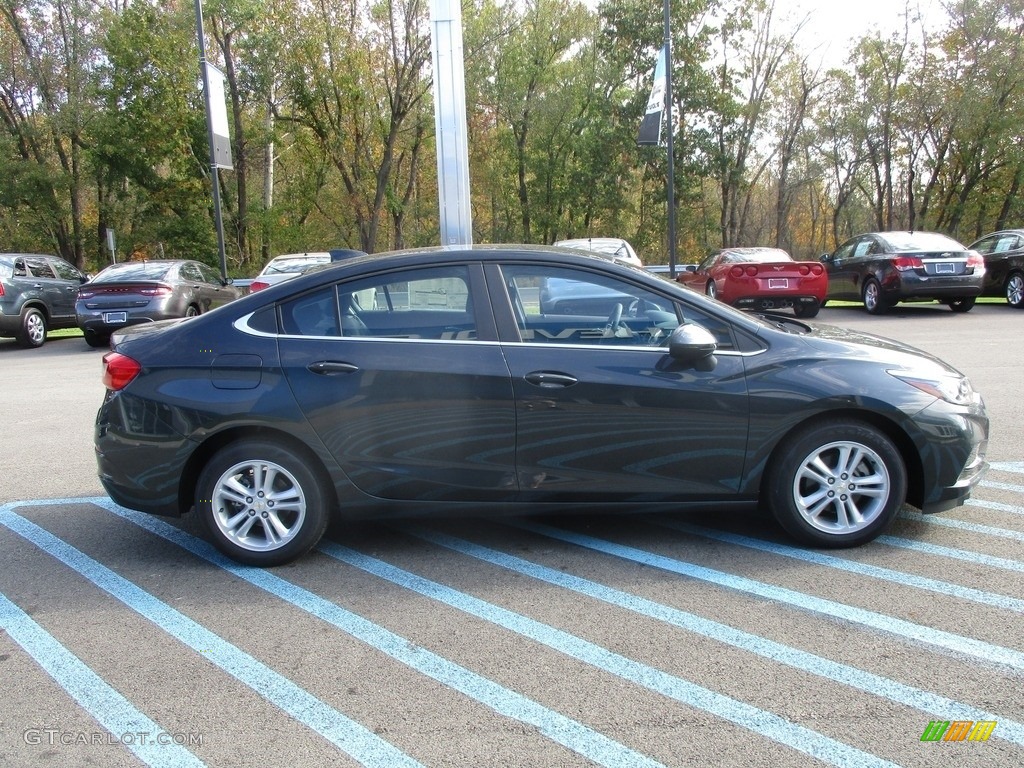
<point>832,24</point>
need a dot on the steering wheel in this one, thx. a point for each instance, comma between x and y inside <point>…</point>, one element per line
<point>614,319</point>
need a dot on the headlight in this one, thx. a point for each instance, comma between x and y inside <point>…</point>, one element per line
<point>952,388</point>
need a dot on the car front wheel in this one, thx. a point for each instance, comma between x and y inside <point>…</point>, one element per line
<point>261,503</point>
<point>1015,290</point>
<point>32,331</point>
<point>838,483</point>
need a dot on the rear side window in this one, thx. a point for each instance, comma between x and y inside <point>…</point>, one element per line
<point>312,314</point>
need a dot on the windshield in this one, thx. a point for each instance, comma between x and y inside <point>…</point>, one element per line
<point>286,266</point>
<point>921,241</point>
<point>133,271</point>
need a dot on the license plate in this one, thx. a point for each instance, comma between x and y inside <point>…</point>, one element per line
<point>115,317</point>
<point>778,282</point>
<point>945,269</point>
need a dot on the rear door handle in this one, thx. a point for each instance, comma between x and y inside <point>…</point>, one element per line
<point>330,368</point>
<point>550,380</point>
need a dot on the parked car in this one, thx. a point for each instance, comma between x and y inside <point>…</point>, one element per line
<point>37,294</point>
<point>665,270</point>
<point>760,278</point>
<point>146,291</point>
<point>430,381</point>
<point>884,268</point>
<point>1004,265</point>
<point>289,265</point>
<point>615,247</point>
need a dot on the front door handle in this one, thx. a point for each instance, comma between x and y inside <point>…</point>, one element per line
<point>550,380</point>
<point>330,368</point>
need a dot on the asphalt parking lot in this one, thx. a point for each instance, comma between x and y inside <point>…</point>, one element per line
<point>628,641</point>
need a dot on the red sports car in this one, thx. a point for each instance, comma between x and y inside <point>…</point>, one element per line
<point>760,278</point>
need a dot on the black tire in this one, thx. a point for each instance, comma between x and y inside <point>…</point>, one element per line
<point>32,328</point>
<point>711,290</point>
<point>871,295</point>
<point>285,515</point>
<point>806,311</point>
<point>96,340</point>
<point>962,304</point>
<point>191,310</point>
<point>1014,289</point>
<point>852,501</point>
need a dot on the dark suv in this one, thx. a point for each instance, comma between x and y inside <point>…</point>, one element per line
<point>37,293</point>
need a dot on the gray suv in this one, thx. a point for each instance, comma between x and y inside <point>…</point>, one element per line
<point>37,293</point>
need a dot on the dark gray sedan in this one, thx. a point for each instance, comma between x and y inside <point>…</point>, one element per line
<point>1004,265</point>
<point>446,381</point>
<point>882,269</point>
<point>146,291</point>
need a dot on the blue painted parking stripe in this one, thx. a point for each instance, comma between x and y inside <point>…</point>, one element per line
<point>961,525</point>
<point>555,726</point>
<point>995,505</point>
<point>1008,466</point>
<point>804,661</point>
<point>346,734</point>
<point>861,569</point>
<point>1001,486</point>
<point>127,725</point>
<point>901,628</point>
<point>977,558</point>
<point>755,719</point>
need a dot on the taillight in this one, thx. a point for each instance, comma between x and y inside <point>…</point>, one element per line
<point>1,289</point>
<point>974,261</point>
<point>257,285</point>
<point>119,370</point>
<point>903,263</point>
<point>156,290</point>
<point>736,272</point>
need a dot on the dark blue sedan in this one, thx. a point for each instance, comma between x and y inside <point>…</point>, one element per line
<point>448,380</point>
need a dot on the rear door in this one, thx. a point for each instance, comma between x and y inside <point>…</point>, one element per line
<point>402,378</point>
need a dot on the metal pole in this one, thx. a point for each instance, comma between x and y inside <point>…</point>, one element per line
<point>671,154</point>
<point>214,173</point>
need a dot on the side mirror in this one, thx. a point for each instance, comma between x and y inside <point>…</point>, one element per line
<point>693,344</point>
<point>825,258</point>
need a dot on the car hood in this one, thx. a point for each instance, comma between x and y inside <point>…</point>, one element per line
<point>852,344</point>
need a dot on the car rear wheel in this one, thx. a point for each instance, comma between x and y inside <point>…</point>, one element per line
<point>838,483</point>
<point>806,310</point>
<point>261,503</point>
<point>711,290</point>
<point>192,310</point>
<point>32,331</point>
<point>97,340</point>
<point>1015,290</point>
<point>872,296</point>
<point>962,304</point>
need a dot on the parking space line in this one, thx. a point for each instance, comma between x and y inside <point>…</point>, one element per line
<point>796,658</point>
<point>128,725</point>
<point>852,566</point>
<point>349,736</point>
<point>967,646</point>
<point>569,733</point>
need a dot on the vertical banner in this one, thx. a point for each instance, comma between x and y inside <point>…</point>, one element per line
<point>217,110</point>
<point>650,127</point>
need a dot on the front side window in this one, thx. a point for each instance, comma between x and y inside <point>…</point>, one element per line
<point>558,305</point>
